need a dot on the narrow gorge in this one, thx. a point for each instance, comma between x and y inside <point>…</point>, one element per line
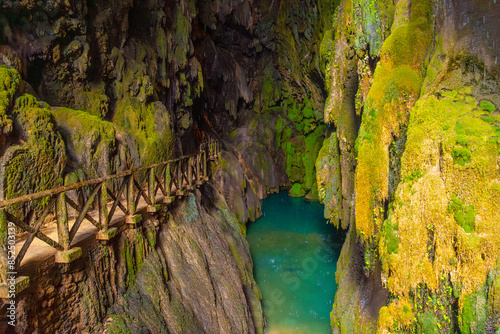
<point>138,139</point>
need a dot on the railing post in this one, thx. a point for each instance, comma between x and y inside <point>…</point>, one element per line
<point>190,174</point>
<point>103,206</point>
<point>68,254</point>
<point>204,165</point>
<point>105,233</point>
<point>180,181</point>
<point>10,283</point>
<point>168,185</point>
<point>151,191</point>
<point>198,176</point>
<point>132,218</point>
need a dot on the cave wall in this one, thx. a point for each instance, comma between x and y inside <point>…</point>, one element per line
<point>130,83</point>
<point>413,94</point>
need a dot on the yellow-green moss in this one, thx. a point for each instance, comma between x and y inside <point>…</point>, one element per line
<point>142,123</point>
<point>297,190</point>
<point>95,102</point>
<point>9,83</point>
<point>396,86</point>
<point>90,140</point>
<point>37,163</point>
<point>446,213</point>
<point>396,316</point>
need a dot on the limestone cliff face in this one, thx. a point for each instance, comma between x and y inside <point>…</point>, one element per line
<point>422,78</point>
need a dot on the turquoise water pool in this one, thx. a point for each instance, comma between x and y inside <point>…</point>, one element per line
<point>295,255</point>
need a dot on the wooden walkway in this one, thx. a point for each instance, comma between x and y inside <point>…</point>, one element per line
<point>72,213</point>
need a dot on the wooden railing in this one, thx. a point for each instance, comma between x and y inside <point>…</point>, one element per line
<point>96,202</point>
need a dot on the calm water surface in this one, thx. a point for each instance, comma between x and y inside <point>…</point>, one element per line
<point>295,255</point>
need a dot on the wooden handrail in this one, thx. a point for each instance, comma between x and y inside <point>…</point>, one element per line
<point>61,189</point>
<point>177,176</point>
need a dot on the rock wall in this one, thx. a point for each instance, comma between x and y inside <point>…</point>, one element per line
<point>413,94</point>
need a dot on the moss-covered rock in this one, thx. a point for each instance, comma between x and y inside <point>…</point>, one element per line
<point>37,162</point>
<point>9,83</point>
<point>460,212</point>
<point>90,141</point>
<point>94,101</point>
<point>148,129</point>
<point>329,179</point>
<point>396,85</point>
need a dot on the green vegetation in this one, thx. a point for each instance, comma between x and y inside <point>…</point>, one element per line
<point>9,83</point>
<point>396,84</point>
<point>487,106</point>
<point>297,190</point>
<point>89,140</point>
<point>474,315</point>
<point>37,163</point>
<point>389,234</point>
<point>149,129</point>
<point>465,216</point>
<point>461,155</point>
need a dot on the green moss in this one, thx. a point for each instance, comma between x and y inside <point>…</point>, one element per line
<point>461,155</point>
<point>465,216</point>
<point>396,83</point>
<point>38,163</point>
<point>414,176</point>
<point>85,123</point>
<point>487,106</point>
<point>473,317</point>
<point>389,234</point>
<point>130,263</point>
<point>427,323</point>
<point>89,139</point>
<point>463,141</point>
<point>180,38</point>
<point>95,102</point>
<point>297,190</point>
<point>313,142</point>
<point>117,325</point>
<point>407,43</point>
<point>326,50</point>
<point>148,127</point>
<point>9,83</point>
<point>375,19</point>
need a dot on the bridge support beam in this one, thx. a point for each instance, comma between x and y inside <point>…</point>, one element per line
<point>14,286</point>
<point>106,235</point>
